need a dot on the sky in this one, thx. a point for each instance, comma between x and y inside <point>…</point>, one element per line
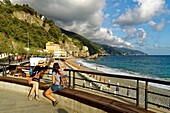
<point>136,24</point>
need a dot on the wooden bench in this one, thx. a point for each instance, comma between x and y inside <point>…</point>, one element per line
<point>103,103</point>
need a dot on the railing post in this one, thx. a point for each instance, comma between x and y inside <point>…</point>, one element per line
<point>69,79</point>
<point>137,93</point>
<point>73,79</point>
<point>3,71</point>
<point>146,95</point>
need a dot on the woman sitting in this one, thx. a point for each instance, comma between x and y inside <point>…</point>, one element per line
<point>34,79</point>
<point>56,86</point>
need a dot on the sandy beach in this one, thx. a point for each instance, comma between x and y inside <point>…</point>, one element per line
<point>123,91</point>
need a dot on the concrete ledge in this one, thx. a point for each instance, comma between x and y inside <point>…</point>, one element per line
<point>79,101</point>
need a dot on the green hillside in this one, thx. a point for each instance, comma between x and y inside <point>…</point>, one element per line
<point>93,48</point>
<point>16,34</point>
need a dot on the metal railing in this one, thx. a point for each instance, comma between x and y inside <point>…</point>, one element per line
<point>135,90</point>
<point>138,80</point>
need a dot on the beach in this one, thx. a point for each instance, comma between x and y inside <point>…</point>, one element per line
<point>123,91</point>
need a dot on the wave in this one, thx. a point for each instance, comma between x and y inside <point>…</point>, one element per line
<point>117,71</point>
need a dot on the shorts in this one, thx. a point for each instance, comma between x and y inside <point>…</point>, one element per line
<point>55,88</point>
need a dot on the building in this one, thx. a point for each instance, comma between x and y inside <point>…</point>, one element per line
<point>56,50</point>
<point>61,53</point>
<point>51,47</point>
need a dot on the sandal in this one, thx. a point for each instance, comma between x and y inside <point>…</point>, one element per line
<point>30,97</point>
<point>55,103</point>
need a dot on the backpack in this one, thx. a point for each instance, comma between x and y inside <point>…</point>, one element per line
<point>31,71</point>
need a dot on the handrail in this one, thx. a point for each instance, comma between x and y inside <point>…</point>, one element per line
<point>164,82</point>
<point>138,79</point>
<point>72,83</point>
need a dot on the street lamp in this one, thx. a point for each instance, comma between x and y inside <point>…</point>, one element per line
<point>28,39</point>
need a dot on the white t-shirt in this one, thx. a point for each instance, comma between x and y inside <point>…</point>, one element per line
<point>57,77</point>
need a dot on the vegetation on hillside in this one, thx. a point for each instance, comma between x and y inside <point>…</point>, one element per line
<point>15,32</point>
<point>93,48</point>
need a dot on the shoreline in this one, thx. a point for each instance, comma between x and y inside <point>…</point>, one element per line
<point>125,82</point>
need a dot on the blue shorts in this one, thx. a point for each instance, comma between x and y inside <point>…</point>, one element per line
<point>55,88</point>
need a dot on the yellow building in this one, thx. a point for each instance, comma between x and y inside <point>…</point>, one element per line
<point>56,50</point>
<point>51,47</point>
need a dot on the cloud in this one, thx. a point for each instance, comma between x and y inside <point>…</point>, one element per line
<point>137,34</point>
<point>160,26</point>
<point>151,23</point>
<point>111,40</point>
<point>116,5</point>
<point>157,26</point>
<point>106,16</point>
<point>81,16</point>
<point>145,11</point>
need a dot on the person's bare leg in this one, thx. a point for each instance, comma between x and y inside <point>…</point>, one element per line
<point>48,95</point>
<point>36,88</point>
<point>33,89</point>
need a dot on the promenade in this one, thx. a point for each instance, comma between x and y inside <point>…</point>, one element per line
<point>15,102</point>
<point>12,101</point>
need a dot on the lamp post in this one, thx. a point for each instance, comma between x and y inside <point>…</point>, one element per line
<point>27,34</point>
<point>28,39</point>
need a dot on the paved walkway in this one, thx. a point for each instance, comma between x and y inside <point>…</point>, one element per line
<point>15,102</point>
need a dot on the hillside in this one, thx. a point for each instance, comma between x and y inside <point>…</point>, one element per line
<point>22,26</point>
<point>121,51</point>
<point>93,48</point>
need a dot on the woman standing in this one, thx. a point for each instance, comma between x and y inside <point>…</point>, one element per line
<point>56,86</point>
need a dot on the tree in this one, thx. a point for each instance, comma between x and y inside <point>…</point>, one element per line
<point>7,2</point>
<point>3,47</point>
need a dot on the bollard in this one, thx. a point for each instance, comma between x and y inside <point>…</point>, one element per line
<point>104,80</point>
<point>128,91</point>
<point>101,88</point>
<point>114,92</point>
<point>117,88</point>
<point>108,84</point>
<point>91,86</point>
<point>96,77</point>
<point>84,84</point>
<point>100,79</point>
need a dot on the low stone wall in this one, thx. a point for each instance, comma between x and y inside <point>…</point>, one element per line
<point>74,105</point>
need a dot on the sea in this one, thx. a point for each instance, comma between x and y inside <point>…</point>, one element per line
<point>148,66</point>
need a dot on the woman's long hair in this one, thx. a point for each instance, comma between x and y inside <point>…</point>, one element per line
<point>56,67</point>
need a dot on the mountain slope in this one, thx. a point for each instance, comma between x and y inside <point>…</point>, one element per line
<point>23,26</point>
<point>121,51</point>
<point>93,48</point>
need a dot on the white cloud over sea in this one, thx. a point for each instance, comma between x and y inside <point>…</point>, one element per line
<point>145,11</point>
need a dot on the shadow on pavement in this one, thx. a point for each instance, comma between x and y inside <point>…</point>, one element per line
<point>61,110</point>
